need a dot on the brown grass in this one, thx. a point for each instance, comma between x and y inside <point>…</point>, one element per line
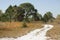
<point>54,33</point>
<point>15,29</point>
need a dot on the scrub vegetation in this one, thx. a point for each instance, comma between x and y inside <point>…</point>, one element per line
<point>19,20</point>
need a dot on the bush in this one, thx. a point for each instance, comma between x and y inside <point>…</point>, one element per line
<point>24,25</point>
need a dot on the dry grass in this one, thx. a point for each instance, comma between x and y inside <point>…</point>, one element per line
<point>54,33</point>
<point>15,29</point>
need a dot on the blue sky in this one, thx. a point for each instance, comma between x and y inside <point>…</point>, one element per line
<point>42,6</point>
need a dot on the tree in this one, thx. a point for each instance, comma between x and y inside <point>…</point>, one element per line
<point>58,16</point>
<point>40,16</point>
<point>57,20</point>
<point>35,15</point>
<point>48,16</point>
<point>27,7</point>
<point>4,17</point>
<point>20,14</point>
<point>29,10</point>
<point>0,14</point>
<point>9,13</point>
<point>15,13</point>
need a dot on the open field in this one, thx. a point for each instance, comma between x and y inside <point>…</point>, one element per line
<point>15,29</point>
<point>54,33</point>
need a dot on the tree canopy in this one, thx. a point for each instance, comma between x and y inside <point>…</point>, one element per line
<point>48,16</point>
<point>24,12</point>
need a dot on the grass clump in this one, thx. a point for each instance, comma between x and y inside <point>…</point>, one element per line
<point>24,24</point>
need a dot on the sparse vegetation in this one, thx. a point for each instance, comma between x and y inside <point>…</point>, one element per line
<point>19,20</point>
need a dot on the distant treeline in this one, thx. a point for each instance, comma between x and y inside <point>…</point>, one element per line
<point>24,12</point>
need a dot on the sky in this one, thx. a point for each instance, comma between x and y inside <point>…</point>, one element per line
<point>42,6</point>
